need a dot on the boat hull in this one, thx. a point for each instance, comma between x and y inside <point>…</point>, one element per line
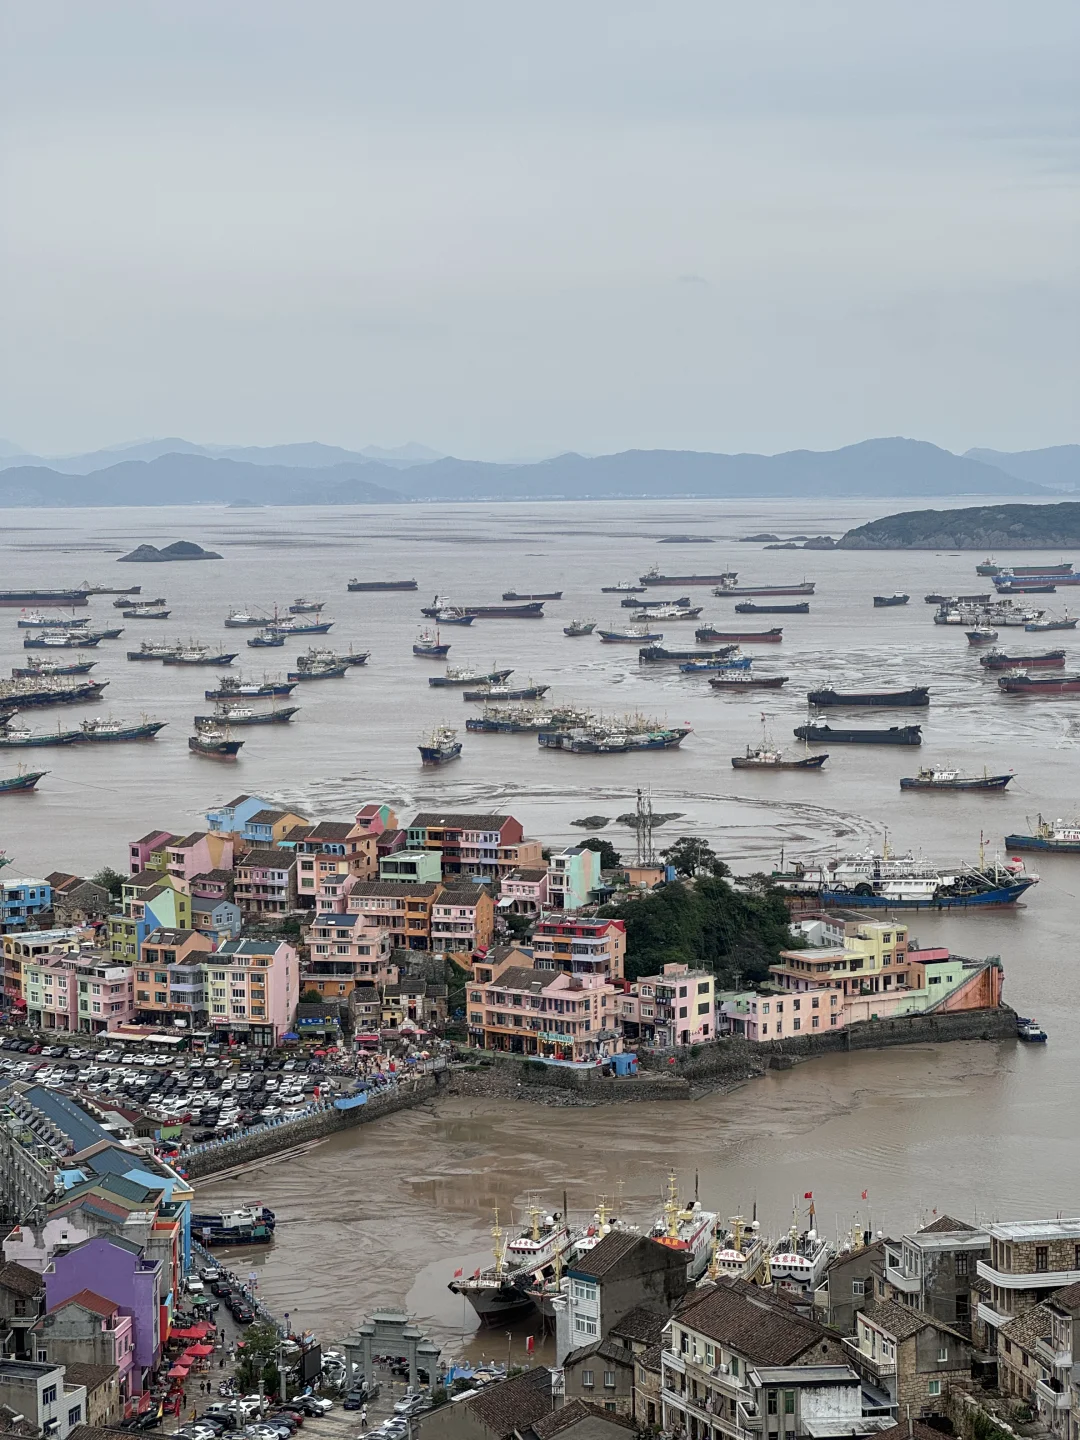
<point>533,610</point>
<point>656,654</point>
<point>21,784</point>
<point>528,692</point>
<point>805,588</point>
<point>431,652</point>
<point>748,682</point>
<point>493,677</point>
<point>442,755</point>
<point>989,782</point>
<point>272,717</point>
<point>64,598</point>
<point>1001,895</point>
<point>271,690</point>
<point>750,609</point>
<point>739,637</point>
<point>202,660</point>
<point>688,580</point>
<point>825,735</point>
<point>360,585</point>
<point>811,762</point>
<point>333,672</point>
<point>886,602</point>
<point>216,749</point>
<point>1037,842</point>
<point>1052,659</point>
<point>872,699</point>
<point>493,1306</point>
<point>1039,687</point>
<point>551,595</point>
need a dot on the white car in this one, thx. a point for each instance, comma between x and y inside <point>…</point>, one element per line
<point>269,1111</point>
<point>109,1057</point>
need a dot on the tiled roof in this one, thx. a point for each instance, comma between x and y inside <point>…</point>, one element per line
<point>942,1225</point>
<point>513,1405</point>
<point>908,1430</point>
<point>607,1349</point>
<point>641,1324</point>
<point>614,1247</point>
<point>20,1279</point>
<point>267,860</point>
<point>532,876</point>
<point>517,978</point>
<point>220,875</point>
<point>169,937</point>
<point>745,1320</point>
<point>455,820</point>
<point>574,1413</point>
<point>144,878</point>
<point>331,830</point>
<point>397,889</point>
<point>188,840</point>
<point>897,1320</point>
<point>89,1375</point>
<point>267,817</point>
<point>89,1300</point>
<point>1027,1328</point>
<point>1068,1297</point>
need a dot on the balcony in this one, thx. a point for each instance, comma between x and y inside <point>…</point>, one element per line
<point>1027,1279</point>
<point>1055,1359</point>
<point>990,1315</point>
<point>1053,1395</point>
<point>874,1365</point>
<point>903,1280</point>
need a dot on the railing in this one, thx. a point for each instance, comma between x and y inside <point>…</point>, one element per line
<point>873,1363</point>
<point>1056,1359</point>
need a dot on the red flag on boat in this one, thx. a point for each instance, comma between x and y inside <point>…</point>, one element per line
<point>530,1342</point>
<point>476,1274</point>
<point>808,1194</point>
<point>458,1273</point>
<point>864,1194</point>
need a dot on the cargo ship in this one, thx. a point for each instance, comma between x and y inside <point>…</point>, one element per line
<point>62,598</point>
<point>653,577</point>
<point>818,733</point>
<point>468,675</point>
<point>36,668</point>
<point>1063,567</point>
<point>505,692</point>
<point>916,697</point>
<point>1060,836</point>
<point>38,691</point>
<point>441,746</point>
<point>86,589</point>
<point>708,633</point>
<point>749,608</point>
<point>531,610</point>
<point>629,604</point>
<point>935,599</point>
<point>730,588</point>
<point>657,654</point>
<point>382,585</point>
<point>1001,613</point>
<point>126,602</point>
<point>1039,686</point>
<point>1001,660</point>
<point>906,882</point>
<point>884,602</point>
<point>1032,587</point>
<point>736,680</point>
<point>938,777</point>
<point>551,595</point>
<point>234,687</point>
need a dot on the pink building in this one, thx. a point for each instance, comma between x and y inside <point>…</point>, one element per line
<point>252,990</point>
<point>82,991</point>
<point>140,851</point>
<point>524,892</point>
<point>777,1017</point>
<point>198,853</point>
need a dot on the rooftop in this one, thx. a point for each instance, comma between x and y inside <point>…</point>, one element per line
<point>1035,1230</point>
<point>267,860</point>
<point>89,1300</point>
<point>513,1405</point>
<point>608,1252</point>
<point>20,1280</point>
<point>70,1119</point>
<point>457,820</point>
<point>752,1324</point>
<point>897,1320</point>
<point>943,1224</point>
<point>578,1410</point>
<point>397,889</point>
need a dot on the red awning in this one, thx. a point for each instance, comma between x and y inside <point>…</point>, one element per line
<point>179,1372</point>
<point>200,1352</point>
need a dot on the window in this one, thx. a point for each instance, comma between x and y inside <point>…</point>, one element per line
<point>48,1395</point>
<point>584,1325</point>
<point>75,1415</point>
<point>943,1354</point>
<point>771,1402</point>
<point>858,1287</point>
<point>703,987</point>
<point>609,1379</point>
<point>609,1405</point>
<point>960,1266</point>
<point>933,1387</point>
<point>584,1291</point>
<point>43,1357</point>
<point>1042,1259</point>
<point>963,1309</point>
<point>587,1379</point>
<point>789,1402</point>
<point>734,1365</point>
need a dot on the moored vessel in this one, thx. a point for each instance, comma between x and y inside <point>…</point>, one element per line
<point>551,595</point>
<point>726,589</point>
<point>244,620</point>
<point>500,1292</point>
<point>944,777</point>
<point>1067,622</point>
<point>215,742</point>
<point>147,614</point>
<point>1060,836</point>
<point>64,599</point>
<point>468,675</point>
<point>653,576</point>
<point>708,634</point>
<point>62,640</point>
<point>440,747</point>
<point>42,666</point>
<point>736,662</point>
<point>382,585</point>
<point>882,602</point>
<point>736,680</point>
<point>155,650</point>
<point>1039,686</point>
<point>198,655</point>
<point>230,714</point>
<point>235,687</point>
<point>982,635</point>
<point>605,737</point>
<point>507,692</point>
<point>818,733</point>
<point>530,610</point>
<point>297,625</point>
<point>658,654</point>
<point>38,691</point>
<point>915,697</point>
<point>624,587</point>
<point>747,607</point>
<point>429,645</point>
<point>129,601</point>
<point>267,640</point>
<point>689,1229</point>
<point>1001,660</point>
<point>798,1266</point>
<point>579,627</point>
<point>35,620</point>
<point>765,756</point>
<point>906,882</point>
<point>22,783</point>
<point>630,635</point>
<point>300,606</point>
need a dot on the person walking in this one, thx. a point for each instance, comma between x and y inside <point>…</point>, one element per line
<point>363,1417</point>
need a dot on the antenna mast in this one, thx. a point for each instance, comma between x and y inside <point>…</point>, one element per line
<point>645,854</point>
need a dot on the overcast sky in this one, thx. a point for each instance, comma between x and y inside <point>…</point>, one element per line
<point>507,229</point>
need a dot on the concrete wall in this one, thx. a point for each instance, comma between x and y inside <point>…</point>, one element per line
<point>513,1078</point>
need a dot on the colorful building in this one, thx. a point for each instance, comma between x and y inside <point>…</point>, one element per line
<point>462,919</point>
<point>672,1009</point>
<point>580,947</point>
<point>21,900</point>
<point>83,990</point>
<point>484,846</point>
<point>346,953</point>
<point>118,1271</point>
<point>872,959</point>
<point>233,816</point>
<point>22,946</point>
<point>213,910</point>
<point>533,1012</point>
<point>413,867</point>
<point>524,892</point>
<point>265,883</point>
<point>573,875</point>
<point>253,987</point>
<point>404,908</point>
<point>170,985</point>
<point>268,826</point>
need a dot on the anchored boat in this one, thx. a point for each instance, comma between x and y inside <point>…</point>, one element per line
<point>429,645</point>
<point>215,743</point>
<point>579,627</point>
<point>735,680</point>
<point>441,746</point>
<point>22,783</point>
<point>916,697</point>
<point>234,687</point>
<point>708,634</point>
<point>766,756</point>
<point>1001,660</point>
<point>551,595</point>
<point>818,733</point>
<point>906,882</point>
<point>1039,686</point>
<point>940,777</point>
<point>882,602</point>
<point>468,675</point>
<point>1060,836</point>
<point>382,585</point>
<point>229,714</point>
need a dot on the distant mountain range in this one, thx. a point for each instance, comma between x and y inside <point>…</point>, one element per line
<point>161,472</point>
<point>1057,466</point>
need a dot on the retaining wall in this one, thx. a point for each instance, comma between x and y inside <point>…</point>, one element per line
<point>552,1085</point>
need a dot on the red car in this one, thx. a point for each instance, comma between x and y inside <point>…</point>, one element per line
<point>34,1049</point>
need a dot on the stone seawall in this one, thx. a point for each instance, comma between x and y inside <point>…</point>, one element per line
<point>264,1143</point>
<point>512,1079</point>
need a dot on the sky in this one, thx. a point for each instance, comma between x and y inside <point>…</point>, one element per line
<point>507,229</point>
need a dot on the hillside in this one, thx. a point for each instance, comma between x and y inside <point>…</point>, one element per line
<point>890,468</point>
<point>1057,465</point>
<point>984,527</point>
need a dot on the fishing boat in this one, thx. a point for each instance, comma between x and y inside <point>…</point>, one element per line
<point>747,607</point>
<point>36,692</point>
<point>500,1292</point>
<point>525,719</point>
<point>147,614</point>
<point>1039,686</point>
<point>127,602</point>
<point>1060,836</point>
<point>882,602</point>
<point>733,681</point>
<point>730,589</point>
<point>765,756</point>
<point>296,625</point>
<point>20,738</point>
<point>630,635</point>
<point>798,1266</point>
<point>708,634</point>
<point>657,654</point>
<point>155,650</point>
<point>351,657</point>
<point>61,640</point>
<point>579,627</point>
<point>198,655</point>
<point>37,667</point>
<point>96,731</point>
<point>1001,660</point>
<point>244,620</point>
<point>916,697</point>
<point>234,687</point>
<point>607,738</point>
<point>551,595</point>
<point>506,692</point>
<point>267,640</point>
<point>214,742</point>
<point>317,668</point>
<point>942,777</point>
<point>687,1228</point>
<point>231,714</point>
<point>63,599</point>
<point>624,587</point>
<point>440,747</point>
<point>22,783</point>
<point>1001,613</point>
<point>300,606</point>
<point>697,667</point>
<point>906,882</point>
<point>35,620</point>
<point>355,585</point>
<point>468,675</point>
<point>982,635</point>
<point>818,733</point>
<point>430,646</point>
<point>670,612</point>
<point>1030,1031</point>
<point>1065,623</point>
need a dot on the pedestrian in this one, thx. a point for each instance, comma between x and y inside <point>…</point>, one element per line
<point>363,1418</point>
<point>221,1363</point>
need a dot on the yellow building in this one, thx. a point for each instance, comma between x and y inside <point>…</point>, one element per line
<point>872,958</point>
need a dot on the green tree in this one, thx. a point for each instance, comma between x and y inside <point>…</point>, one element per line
<point>311,997</point>
<point>110,880</point>
<point>692,856</point>
<point>610,859</point>
<point>260,1345</point>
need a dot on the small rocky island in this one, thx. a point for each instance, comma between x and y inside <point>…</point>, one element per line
<point>982,527</point>
<point>178,550</point>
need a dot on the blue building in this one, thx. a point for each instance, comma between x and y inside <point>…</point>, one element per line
<point>21,900</point>
<point>236,814</point>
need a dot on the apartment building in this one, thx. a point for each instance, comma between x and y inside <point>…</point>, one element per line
<point>265,883</point>
<point>1029,1260</point>
<point>675,1008</point>
<point>252,989</point>
<point>556,1017</point>
<point>25,945</point>
<point>170,979</point>
<point>412,866</point>
<point>403,908</point>
<point>484,846</point>
<point>346,953</point>
<point>83,990</point>
<point>42,1396</point>
<point>579,946</point>
<point>909,1356</point>
<point>933,1269</point>
<point>573,876</point>
<point>462,919</point>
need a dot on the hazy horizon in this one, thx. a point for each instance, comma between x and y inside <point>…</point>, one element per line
<point>506,234</point>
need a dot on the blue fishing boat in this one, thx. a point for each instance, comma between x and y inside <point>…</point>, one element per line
<point>692,667</point>
<point>430,646</point>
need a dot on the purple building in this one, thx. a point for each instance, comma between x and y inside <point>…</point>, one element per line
<point>116,1270</point>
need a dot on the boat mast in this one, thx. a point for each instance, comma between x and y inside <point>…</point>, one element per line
<point>499,1236</point>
